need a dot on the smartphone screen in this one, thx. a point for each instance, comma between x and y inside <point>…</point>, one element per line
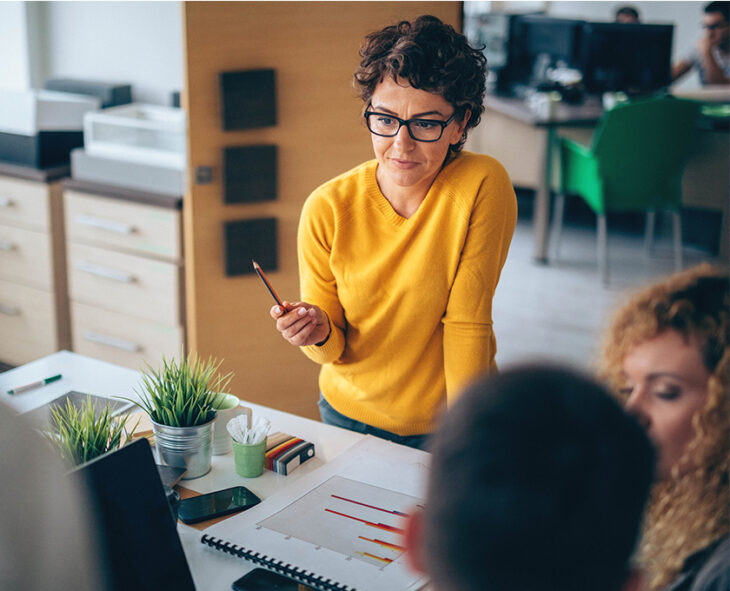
<point>215,504</point>
<point>260,579</point>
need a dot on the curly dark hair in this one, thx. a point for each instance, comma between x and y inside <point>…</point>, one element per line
<point>431,56</point>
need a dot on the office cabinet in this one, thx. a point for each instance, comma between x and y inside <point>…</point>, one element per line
<point>125,274</point>
<point>34,318</point>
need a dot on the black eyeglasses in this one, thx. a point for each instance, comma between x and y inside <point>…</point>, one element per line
<point>421,130</point>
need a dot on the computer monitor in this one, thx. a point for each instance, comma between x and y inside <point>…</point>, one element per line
<point>627,57</point>
<point>558,38</point>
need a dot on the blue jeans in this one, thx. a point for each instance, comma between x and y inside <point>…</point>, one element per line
<point>331,417</point>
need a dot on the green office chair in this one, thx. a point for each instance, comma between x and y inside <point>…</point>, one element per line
<point>636,164</point>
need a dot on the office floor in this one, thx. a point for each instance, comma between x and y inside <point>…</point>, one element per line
<point>558,311</point>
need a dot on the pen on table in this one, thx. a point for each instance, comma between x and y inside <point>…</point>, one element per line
<point>34,385</point>
<point>260,273</point>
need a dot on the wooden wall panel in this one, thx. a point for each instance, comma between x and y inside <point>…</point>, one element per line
<point>313,46</point>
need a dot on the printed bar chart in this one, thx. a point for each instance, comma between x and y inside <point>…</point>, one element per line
<point>358,520</point>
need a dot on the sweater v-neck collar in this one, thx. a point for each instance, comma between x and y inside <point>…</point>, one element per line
<point>386,208</point>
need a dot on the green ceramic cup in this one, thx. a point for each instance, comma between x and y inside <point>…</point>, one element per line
<point>249,458</point>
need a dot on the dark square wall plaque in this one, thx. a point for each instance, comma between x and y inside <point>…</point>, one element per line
<point>250,239</point>
<point>249,174</point>
<point>248,99</point>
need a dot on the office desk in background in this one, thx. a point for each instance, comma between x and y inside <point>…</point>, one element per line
<point>524,142</point>
<point>211,570</point>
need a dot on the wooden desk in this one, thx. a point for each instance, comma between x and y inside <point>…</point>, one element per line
<point>523,143</point>
<point>211,570</point>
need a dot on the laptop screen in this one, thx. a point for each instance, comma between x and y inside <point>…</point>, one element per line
<point>140,545</point>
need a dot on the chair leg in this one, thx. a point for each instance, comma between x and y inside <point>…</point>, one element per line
<point>557,231</point>
<point>649,232</point>
<point>602,249</point>
<point>677,231</point>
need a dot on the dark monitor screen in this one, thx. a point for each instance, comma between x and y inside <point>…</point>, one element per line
<point>626,57</point>
<point>140,547</point>
<point>556,37</point>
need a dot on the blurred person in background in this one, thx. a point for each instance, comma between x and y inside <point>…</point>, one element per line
<point>626,14</point>
<point>711,54</point>
<point>538,481</point>
<point>667,355</point>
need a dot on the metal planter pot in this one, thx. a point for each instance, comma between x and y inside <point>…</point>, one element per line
<point>185,447</point>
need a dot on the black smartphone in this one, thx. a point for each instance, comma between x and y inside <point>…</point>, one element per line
<point>215,504</point>
<point>260,579</point>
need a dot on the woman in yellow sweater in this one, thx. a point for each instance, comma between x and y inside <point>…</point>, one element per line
<point>399,257</point>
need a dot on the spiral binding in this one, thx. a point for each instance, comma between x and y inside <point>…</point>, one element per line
<point>278,566</point>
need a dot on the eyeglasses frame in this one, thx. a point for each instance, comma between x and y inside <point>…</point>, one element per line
<point>407,123</point>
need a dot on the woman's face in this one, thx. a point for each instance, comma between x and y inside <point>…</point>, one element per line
<point>666,383</point>
<point>404,163</point>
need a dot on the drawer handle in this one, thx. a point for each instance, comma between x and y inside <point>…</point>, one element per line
<point>6,245</point>
<point>103,339</point>
<point>104,272</point>
<point>112,226</point>
<point>6,202</point>
<point>9,310</point>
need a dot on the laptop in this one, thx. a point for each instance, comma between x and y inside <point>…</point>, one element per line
<point>138,537</point>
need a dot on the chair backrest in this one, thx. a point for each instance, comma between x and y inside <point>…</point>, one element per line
<point>641,148</point>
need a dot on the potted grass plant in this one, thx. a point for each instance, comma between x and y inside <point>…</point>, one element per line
<point>81,432</point>
<point>179,398</point>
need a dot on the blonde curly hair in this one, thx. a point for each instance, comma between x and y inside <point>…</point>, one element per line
<point>687,512</point>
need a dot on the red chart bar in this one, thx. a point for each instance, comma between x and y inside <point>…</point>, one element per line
<point>389,528</point>
<point>392,512</point>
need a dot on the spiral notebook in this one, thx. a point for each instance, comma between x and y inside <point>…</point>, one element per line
<point>338,528</point>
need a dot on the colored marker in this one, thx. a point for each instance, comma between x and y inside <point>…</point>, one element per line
<point>33,385</point>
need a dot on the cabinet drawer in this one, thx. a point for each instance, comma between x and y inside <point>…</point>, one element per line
<point>24,203</point>
<point>123,225</point>
<point>25,257</point>
<point>121,339</point>
<point>141,287</point>
<point>27,323</point>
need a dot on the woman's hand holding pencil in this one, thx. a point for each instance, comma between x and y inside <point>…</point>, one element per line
<point>300,323</point>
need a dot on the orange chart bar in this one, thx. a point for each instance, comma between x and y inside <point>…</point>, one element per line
<point>384,544</point>
<point>380,558</point>
<point>389,528</point>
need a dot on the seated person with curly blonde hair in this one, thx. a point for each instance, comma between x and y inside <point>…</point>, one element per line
<point>667,354</point>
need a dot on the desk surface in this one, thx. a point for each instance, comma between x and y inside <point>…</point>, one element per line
<point>211,570</point>
<point>566,115</point>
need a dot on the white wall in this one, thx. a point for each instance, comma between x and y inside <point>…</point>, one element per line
<point>136,42</point>
<point>686,17</point>
<point>14,63</point>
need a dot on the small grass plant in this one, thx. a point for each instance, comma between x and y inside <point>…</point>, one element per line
<point>182,394</point>
<point>81,432</point>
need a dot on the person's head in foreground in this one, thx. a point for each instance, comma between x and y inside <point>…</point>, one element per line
<point>667,355</point>
<point>626,14</point>
<point>422,87</point>
<point>538,482</point>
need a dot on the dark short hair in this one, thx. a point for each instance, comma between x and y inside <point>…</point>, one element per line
<point>431,56</point>
<point>721,7</point>
<point>627,11</point>
<point>538,481</point>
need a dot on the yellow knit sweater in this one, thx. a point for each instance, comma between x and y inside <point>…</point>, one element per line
<point>409,300</point>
